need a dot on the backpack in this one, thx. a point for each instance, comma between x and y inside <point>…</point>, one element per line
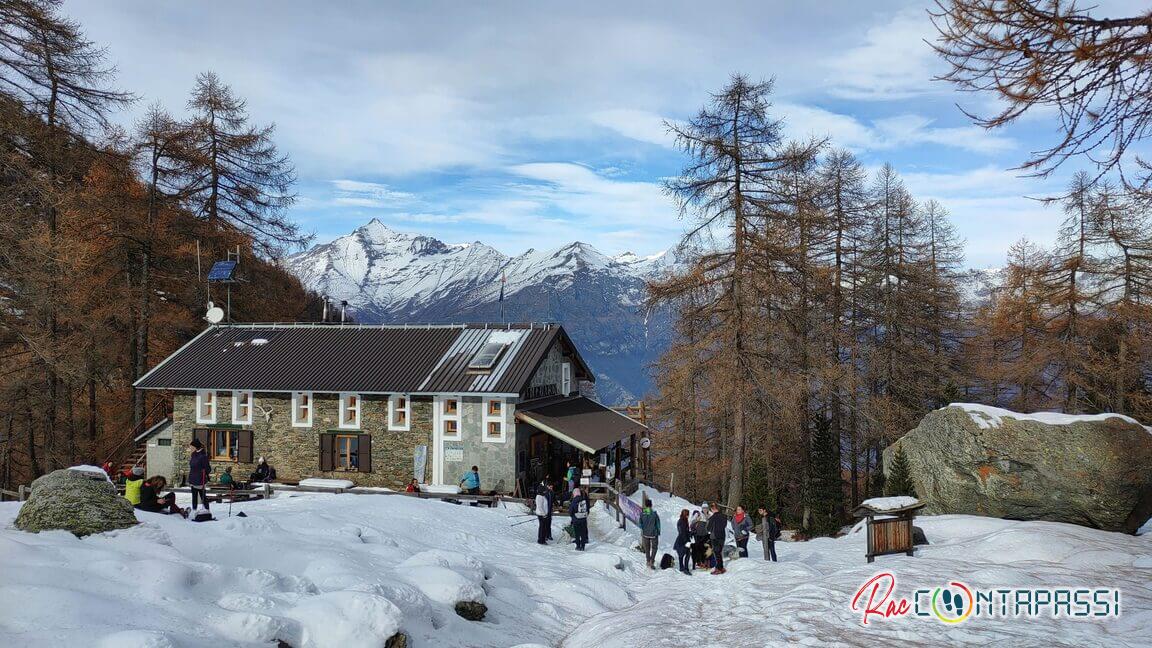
<point>582,509</point>
<point>775,526</point>
<point>666,561</point>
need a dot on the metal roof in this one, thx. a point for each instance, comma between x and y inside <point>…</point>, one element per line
<point>580,422</point>
<point>411,359</point>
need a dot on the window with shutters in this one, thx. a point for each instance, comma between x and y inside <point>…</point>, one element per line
<point>399,410</point>
<point>346,452</point>
<point>223,445</point>
<point>242,407</point>
<point>566,378</point>
<point>350,411</point>
<point>301,409</point>
<point>205,406</point>
<point>450,418</point>
<point>494,420</point>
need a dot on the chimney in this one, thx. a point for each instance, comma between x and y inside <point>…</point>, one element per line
<point>343,307</point>
<point>324,316</point>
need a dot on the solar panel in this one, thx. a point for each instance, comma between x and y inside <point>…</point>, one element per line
<point>222,271</point>
<point>487,356</point>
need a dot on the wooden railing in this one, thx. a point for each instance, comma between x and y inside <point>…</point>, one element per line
<point>159,411</point>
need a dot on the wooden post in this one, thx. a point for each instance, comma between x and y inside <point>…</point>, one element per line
<point>23,493</point>
<point>267,491</point>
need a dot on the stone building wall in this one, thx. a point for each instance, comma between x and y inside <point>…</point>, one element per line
<point>496,460</point>
<point>295,451</point>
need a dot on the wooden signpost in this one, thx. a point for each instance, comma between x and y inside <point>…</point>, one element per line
<point>889,531</point>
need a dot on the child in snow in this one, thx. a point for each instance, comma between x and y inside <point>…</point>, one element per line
<point>132,485</point>
<point>649,533</point>
<point>741,527</point>
<point>151,501</point>
<point>412,487</point>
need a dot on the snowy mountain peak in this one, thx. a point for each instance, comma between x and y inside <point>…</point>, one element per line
<point>389,276</point>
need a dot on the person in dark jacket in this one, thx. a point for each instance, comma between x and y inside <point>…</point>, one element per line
<point>550,493</point>
<point>769,532</point>
<point>649,533</point>
<point>683,537</point>
<point>741,528</point>
<point>717,531</point>
<point>578,509</point>
<point>151,500</point>
<point>198,469</point>
<point>699,540</point>
<point>264,472</point>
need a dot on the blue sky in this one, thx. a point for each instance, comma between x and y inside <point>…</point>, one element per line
<point>533,124</point>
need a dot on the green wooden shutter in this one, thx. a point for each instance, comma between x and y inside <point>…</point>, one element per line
<point>327,452</point>
<point>364,447</point>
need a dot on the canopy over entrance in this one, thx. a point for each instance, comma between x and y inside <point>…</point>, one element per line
<point>580,422</point>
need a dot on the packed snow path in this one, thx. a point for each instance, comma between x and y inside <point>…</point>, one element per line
<point>347,570</point>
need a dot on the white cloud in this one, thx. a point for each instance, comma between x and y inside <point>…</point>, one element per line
<point>889,133</point>
<point>355,193</point>
<point>640,125</point>
<point>892,62</point>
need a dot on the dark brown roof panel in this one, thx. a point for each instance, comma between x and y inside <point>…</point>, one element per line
<point>581,422</point>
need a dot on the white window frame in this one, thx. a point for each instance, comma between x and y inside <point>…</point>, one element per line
<point>359,409</point>
<point>311,406</point>
<point>236,419</point>
<point>215,403</point>
<point>444,417</point>
<point>393,409</point>
<point>500,418</point>
<point>565,378</point>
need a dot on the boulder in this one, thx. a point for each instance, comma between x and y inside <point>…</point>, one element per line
<point>77,501</point>
<point>471,610</point>
<point>1094,471</point>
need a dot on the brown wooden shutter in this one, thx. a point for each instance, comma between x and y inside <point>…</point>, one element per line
<point>203,435</point>
<point>364,447</point>
<point>244,446</point>
<point>327,452</point>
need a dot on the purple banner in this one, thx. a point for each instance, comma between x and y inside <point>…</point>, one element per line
<point>631,509</point>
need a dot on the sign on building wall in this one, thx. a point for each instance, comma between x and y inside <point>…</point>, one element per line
<point>454,454</point>
<point>419,462</point>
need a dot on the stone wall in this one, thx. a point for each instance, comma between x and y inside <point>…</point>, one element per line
<point>496,460</point>
<point>295,451</point>
<point>549,372</point>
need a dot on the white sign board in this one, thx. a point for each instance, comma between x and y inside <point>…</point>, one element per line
<point>454,454</point>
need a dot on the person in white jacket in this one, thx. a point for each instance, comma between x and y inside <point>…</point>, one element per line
<point>543,510</point>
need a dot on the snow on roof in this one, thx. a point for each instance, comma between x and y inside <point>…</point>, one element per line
<point>986,416</point>
<point>890,503</point>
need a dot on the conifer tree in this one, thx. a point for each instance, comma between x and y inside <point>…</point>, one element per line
<point>899,476</point>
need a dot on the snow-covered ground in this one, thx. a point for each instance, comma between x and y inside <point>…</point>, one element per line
<point>348,570</point>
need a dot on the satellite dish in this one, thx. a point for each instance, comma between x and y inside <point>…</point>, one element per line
<point>215,314</point>
<point>645,443</point>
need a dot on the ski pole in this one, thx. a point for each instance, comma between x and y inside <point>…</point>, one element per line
<point>522,522</point>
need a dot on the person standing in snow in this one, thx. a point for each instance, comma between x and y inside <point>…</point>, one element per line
<point>470,482</point>
<point>649,533</point>
<point>741,528</point>
<point>570,476</point>
<point>717,531</point>
<point>198,469</point>
<point>578,509</point>
<point>550,493</point>
<point>543,515</point>
<point>769,532</point>
<point>699,540</point>
<point>683,537</point>
<point>132,485</point>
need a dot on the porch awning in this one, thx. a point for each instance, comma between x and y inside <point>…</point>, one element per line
<point>580,422</point>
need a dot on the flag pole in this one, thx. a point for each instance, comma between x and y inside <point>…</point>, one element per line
<point>503,279</point>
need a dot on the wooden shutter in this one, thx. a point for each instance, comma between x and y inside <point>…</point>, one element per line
<point>327,452</point>
<point>244,446</point>
<point>364,448</point>
<point>204,436</point>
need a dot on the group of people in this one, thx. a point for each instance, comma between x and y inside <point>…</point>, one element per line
<point>700,536</point>
<point>546,502</point>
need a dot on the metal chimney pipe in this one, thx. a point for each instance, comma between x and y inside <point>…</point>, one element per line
<point>324,316</point>
<point>343,307</point>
